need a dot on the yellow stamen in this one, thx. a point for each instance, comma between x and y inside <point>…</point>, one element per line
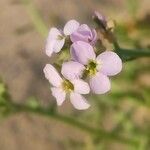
<point>67,86</point>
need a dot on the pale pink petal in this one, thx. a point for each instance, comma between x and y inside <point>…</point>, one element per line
<point>99,84</point>
<point>50,47</point>
<point>80,86</point>
<point>84,27</point>
<point>110,63</point>
<point>94,37</point>
<point>82,52</point>
<point>59,94</point>
<point>54,42</point>
<point>78,101</point>
<point>70,27</point>
<point>59,43</point>
<point>83,33</point>
<point>52,75</point>
<point>71,70</point>
<point>54,33</point>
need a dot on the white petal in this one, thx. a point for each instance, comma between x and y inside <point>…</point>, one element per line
<point>100,84</point>
<point>110,63</point>
<point>78,101</point>
<point>70,27</point>
<point>80,86</point>
<point>54,43</point>
<point>52,75</point>
<point>58,45</point>
<point>54,33</point>
<point>59,94</point>
<point>72,70</point>
<point>50,47</point>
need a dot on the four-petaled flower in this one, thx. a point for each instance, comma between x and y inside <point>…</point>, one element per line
<point>67,85</point>
<point>97,68</point>
<point>56,38</point>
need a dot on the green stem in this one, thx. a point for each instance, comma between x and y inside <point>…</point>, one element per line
<point>135,53</point>
<point>130,54</point>
<point>36,17</point>
<point>75,123</point>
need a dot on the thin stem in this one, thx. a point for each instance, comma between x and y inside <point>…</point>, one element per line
<point>135,53</point>
<point>36,17</point>
<point>99,133</point>
<point>130,54</point>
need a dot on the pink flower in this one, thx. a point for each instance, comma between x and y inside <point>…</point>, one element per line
<point>56,38</point>
<point>68,85</point>
<point>84,33</point>
<point>97,68</point>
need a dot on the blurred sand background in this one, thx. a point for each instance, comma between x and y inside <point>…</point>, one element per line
<point>22,59</point>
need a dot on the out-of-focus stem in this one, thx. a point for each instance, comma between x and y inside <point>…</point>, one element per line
<point>36,17</point>
<point>99,133</point>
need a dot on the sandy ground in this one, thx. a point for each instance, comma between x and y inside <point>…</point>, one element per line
<point>22,59</point>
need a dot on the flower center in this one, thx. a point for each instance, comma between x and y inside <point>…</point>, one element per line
<point>91,68</point>
<point>67,86</point>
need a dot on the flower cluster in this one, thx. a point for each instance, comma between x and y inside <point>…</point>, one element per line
<point>86,70</point>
